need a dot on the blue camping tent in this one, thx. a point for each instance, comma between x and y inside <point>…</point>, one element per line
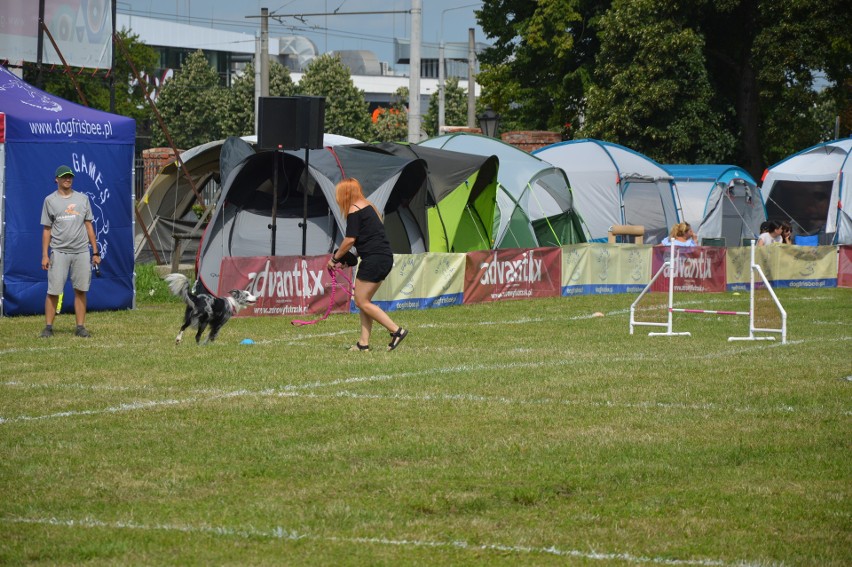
<point>721,202</point>
<point>39,132</point>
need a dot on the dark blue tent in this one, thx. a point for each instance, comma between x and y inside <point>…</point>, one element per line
<point>39,132</point>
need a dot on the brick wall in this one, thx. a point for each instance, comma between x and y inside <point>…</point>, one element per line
<point>153,161</point>
<point>530,140</point>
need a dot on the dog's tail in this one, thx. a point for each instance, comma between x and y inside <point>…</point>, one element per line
<point>179,286</point>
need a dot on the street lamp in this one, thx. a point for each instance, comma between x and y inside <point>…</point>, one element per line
<point>489,121</point>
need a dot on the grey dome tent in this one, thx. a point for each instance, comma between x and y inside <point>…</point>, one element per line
<point>722,203</point>
<point>240,224</point>
<point>165,210</point>
<point>614,185</point>
<point>535,204</point>
<point>810,189</point>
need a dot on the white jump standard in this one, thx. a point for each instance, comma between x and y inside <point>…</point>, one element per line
<point>670,309</point>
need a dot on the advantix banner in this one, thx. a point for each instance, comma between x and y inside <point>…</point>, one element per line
<point>293,286</point>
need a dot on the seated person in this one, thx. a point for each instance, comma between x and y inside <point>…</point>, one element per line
<point>770,233</point>
<point>681,235</point>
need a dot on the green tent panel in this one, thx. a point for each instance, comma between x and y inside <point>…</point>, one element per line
<point>459,201</point>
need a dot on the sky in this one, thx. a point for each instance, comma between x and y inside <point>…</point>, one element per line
<point>448,18</point>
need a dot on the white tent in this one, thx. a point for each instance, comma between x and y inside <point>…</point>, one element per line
<point>534,201</point>
<point>810,188</point>
<point>722,203</point>
<point>615,185</point>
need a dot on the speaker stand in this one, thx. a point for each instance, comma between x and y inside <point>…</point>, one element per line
<point>304,224</point>
<point>274,225</point>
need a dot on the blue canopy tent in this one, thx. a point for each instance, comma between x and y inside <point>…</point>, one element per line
<point>722,203</point>
<point>39,132</point>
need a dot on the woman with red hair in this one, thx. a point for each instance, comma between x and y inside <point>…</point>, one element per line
<point>365,230</point>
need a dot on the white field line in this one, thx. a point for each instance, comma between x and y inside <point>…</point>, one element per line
<point>279,533</point>
<point>293,389</point>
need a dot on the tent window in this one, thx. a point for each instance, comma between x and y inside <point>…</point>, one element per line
<point>805,202</point>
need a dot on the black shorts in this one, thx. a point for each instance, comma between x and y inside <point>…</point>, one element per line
<point>374,268</point>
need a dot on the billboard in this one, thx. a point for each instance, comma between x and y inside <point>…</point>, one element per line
<point>82,30</point>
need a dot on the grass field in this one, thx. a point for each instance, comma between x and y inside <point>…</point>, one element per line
<point>521,432</point>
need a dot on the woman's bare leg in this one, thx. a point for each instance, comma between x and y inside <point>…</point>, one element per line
<point>364,292</point>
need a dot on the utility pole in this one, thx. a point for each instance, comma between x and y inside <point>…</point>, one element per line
<point>471,94</point>
<point>264,52</point>
<point>414,72</point>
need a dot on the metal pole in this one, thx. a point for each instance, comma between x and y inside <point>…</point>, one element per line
<point>471,95</point>
<point>273,227</point>
<point>414,72</point>
<point>305,202</point>
<point>264,52</point>
<point>112,62</point>
<point>441,95</point>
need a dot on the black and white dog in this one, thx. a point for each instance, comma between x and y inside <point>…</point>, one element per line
<point>204,309</point>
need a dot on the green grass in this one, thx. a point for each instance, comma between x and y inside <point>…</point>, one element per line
<point>522,432</point>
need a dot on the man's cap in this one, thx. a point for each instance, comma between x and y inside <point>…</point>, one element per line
<point>64,170</point>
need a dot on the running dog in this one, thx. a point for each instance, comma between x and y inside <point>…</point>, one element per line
<point>204,309</point>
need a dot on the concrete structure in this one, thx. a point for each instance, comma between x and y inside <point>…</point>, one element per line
<point>229,52</point>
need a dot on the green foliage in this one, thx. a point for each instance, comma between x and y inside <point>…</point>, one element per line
<point>651,90</point>
<point>391,124</point>
<point>238,102</point>
<point>190,104</point>
<point>686,81</point>
<point>535,73</point>
<point>346,111</point>
<point>129,95</point>
<point>455,107</point>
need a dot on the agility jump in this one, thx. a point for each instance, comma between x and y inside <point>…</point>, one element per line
<point>755,272</point>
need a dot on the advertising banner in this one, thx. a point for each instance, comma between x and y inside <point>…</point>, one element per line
<point>101,171</point>
<point>81,28</point>
<point>284,285</point>
<point>696,268</point>
<point>605,268</point>
<point>804,266</point>
<point>514,273</point>
<point>784,266</point>
<point>844,267</point>
<point>420,281</point>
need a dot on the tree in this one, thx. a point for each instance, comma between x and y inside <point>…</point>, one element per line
<point>627,67</point>
<point>651,90</point>
<point>536,72</point>
<point>391,124</point>
<point>455,107</point>
<point>764,59</point>
<point>189,104</point>
<point>238,102</point>
<point>346,111</point>
<point>129,97</point>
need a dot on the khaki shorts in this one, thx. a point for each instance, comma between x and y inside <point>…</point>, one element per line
<point>61,264</point>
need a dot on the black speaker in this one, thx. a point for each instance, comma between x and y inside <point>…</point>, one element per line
<point>291,122</point>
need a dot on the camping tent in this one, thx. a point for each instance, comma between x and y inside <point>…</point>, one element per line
<point>165,212</point>
<point>39,132</point>
<point>615,185</point>
<point>810,188</point>
<point>535,205</point>
<point>459,198</point>
<point>243,216</point>
<point>722,203</point>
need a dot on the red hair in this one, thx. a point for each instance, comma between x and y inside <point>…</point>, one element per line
<point>349,191</point>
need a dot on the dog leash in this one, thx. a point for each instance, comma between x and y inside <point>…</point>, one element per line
<point>334,286</point>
